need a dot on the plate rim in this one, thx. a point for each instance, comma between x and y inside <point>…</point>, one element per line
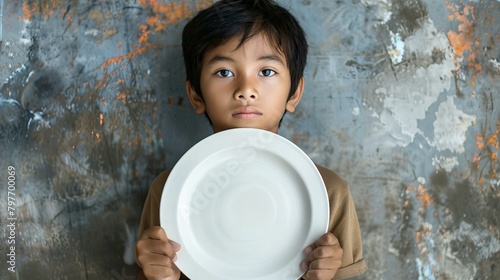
<point>170,223</point>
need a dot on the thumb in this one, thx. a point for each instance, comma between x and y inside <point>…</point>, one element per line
<point>176,246</point>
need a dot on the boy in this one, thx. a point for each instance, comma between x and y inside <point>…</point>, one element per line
<point>244,63</point>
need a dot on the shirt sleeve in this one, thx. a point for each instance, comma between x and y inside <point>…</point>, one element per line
<point>150,213</point>
<point>344,225</point>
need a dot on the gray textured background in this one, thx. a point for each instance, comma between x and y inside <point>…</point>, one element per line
<point>401,100</point>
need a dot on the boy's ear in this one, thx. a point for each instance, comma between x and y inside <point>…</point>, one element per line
<point>196,100</point>
<point>292,103</point>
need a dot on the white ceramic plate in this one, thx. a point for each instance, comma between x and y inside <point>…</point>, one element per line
<point>244,204</point>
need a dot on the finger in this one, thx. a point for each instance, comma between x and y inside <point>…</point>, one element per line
<point>327,239</point>
<point>324,257</point>
<point>158,272</point>
<point>325,252</point>
<point>325,264</point>
<point>160,247</point>
<point>319,274</point>
<point>154,232</point>
<point>176,246</point>
<point>304,266</point>
<point>308,250</point>
<point>158,233</point>
<point>155,260</point>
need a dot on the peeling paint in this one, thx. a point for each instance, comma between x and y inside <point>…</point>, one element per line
<point>397,48</point>
<point>387,17</point>
<point>486,243</point>
<point>495,64</point>
<point>405,100</point>
<point>450,127</point>
<point>424,270</point>
<point>445,163</point>
<point>355,111</point>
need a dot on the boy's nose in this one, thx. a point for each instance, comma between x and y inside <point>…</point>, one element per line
<point>247,90</point>
<point>247,95</point>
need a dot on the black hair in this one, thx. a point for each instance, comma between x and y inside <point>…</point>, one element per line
<point>226,20</point>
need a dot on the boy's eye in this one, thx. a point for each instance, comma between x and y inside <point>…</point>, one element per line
<point>267,72</point>
<point>225,73</point>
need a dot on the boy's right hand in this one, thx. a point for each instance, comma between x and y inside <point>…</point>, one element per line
<point>156,255</point>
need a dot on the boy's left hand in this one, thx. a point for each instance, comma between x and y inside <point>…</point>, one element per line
<point>324,258</point>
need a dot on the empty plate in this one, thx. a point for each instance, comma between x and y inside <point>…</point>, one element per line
<point>244,203</point>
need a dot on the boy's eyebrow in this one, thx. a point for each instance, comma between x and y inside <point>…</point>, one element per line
<point>220,58</point>
<point>272,57</point>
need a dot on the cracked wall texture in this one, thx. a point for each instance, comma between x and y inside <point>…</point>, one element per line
<point>401,100</point>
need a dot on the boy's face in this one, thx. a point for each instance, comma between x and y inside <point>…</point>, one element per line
<point>246,86</point>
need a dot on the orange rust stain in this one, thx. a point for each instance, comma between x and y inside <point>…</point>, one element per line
<point>463,41</point>
<point>494,156</point>
<point>488,149</point>
<point>476,159</point>
<point>162,15</point>
<point>165,14</point>
<point>118,59</point>
<point>45,8</point>
<point>122,97</point>
<point>479,142</point>
<point>493,140</point>
<point>422,232</point>
<point>144,37</point>
<point>29,11</point>
<point>423,196</point>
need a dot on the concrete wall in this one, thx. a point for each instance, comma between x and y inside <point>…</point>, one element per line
<point>401,99</point>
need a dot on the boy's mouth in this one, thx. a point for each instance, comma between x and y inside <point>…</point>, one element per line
<point>246,112</point>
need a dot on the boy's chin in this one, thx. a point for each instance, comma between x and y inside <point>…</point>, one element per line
<point>222,128</point>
